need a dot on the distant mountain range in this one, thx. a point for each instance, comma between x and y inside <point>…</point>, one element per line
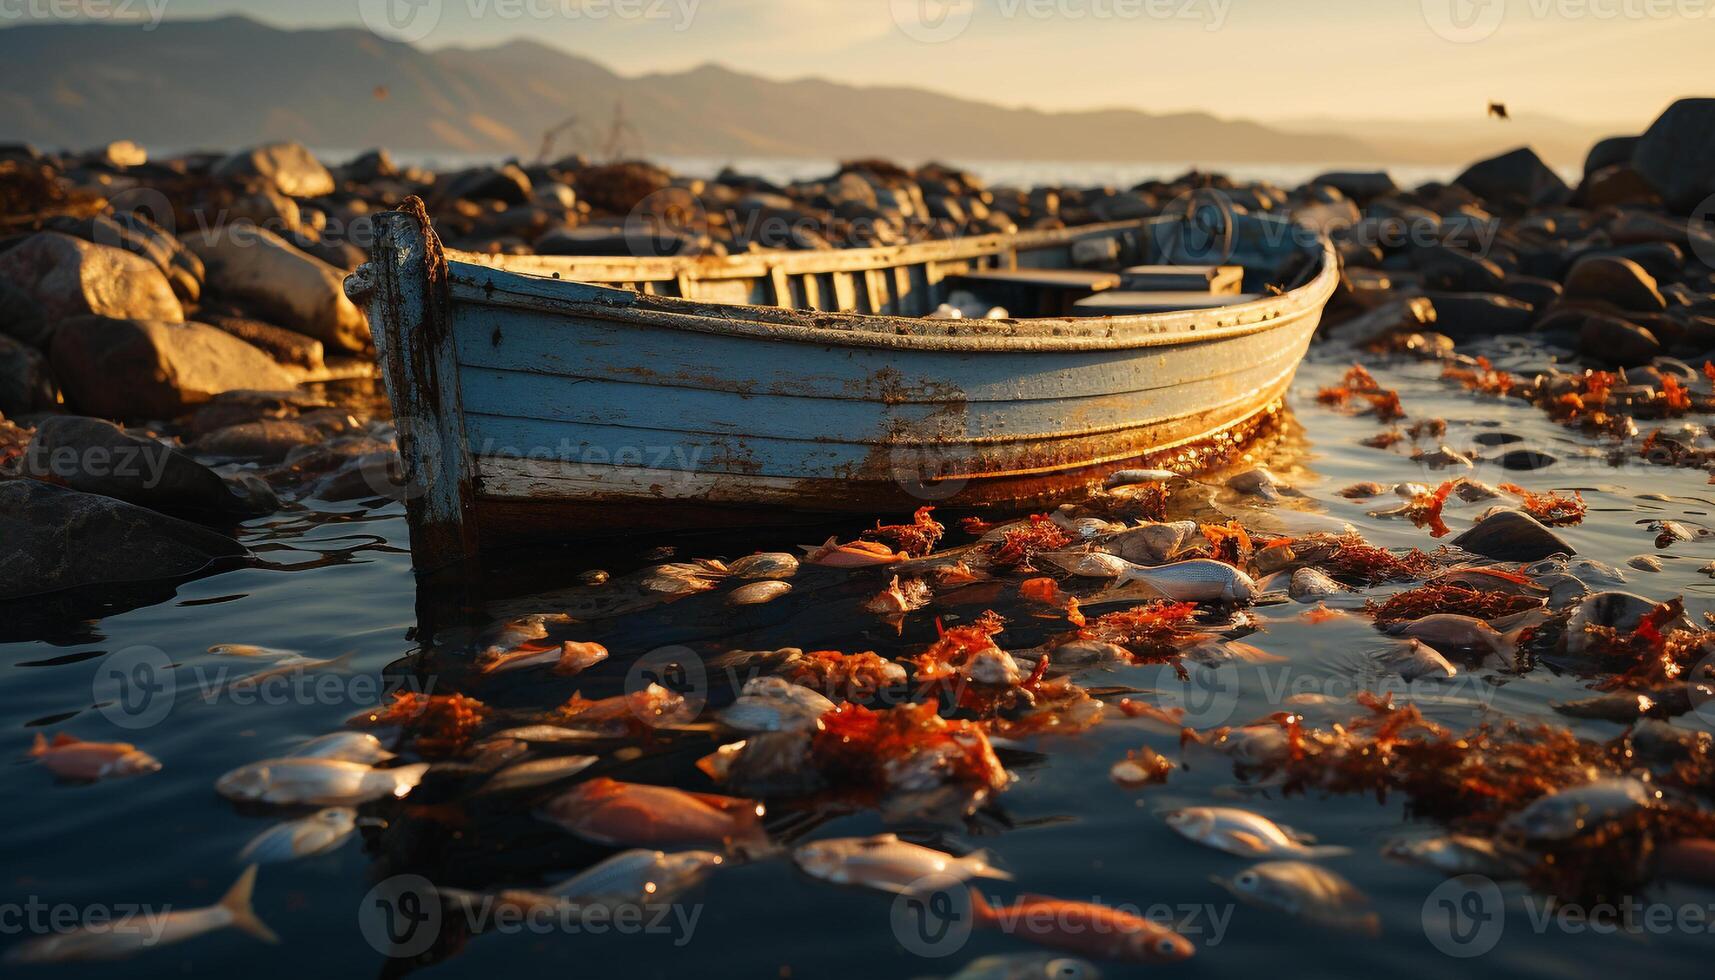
<point>234,81</point>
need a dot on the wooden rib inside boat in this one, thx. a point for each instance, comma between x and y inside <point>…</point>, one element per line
<point>542,397</point>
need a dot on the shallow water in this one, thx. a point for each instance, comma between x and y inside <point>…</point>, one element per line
<point>1064,829</point>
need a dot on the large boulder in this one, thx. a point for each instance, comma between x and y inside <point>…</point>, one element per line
<point>285,346</point>
<point>1516,181</point>
<point>297,291</point>
<point>1614,280</point>
<point>286,167</point>
<point>138,235</point>
<point>25,384</point>
<point>21,317</point>
<point>1610,152</point>
<point>95,456</point>
<point>152,368</point>
<point>1473,316</point>
<point>1677,154</point>
<point>69,277</point>
<point>52,539</point>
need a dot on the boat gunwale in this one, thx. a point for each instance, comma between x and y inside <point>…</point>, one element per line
<point>516,291</point>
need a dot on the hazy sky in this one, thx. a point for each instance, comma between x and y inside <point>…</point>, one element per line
<point>1620,60</point>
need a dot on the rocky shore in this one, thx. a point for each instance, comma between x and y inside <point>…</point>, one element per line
<point>177,353</point>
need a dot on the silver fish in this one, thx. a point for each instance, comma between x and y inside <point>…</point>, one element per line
<point>886,863</point>
<point>504,638</point>
<point>1307,891</point>
<point>1313,585</point>
<point>538,772</point>
<point>318,833</point>
<point>638,877</point>
<point>1083,528</point>
<point>767,565</point>
<point>1244,833</point>
<point>1027,966</point>
<point>544,733</point>
<point>773,704</point>
<point>1259,482</point>
<point>346,747</point>
<point>1152,544</point>
<point>115,941</point>
<point>1415,659</point>
<point>1088,564</point>
<point>1570,812</point>
<point>254,652</point>
<point>321,782</point>
<point>1197,580</point>
<point>758,593</point>
<point>1459,854</point>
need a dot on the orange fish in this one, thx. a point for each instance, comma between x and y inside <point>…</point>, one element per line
<point>69,758</point>
<point>607,811</point>
<point>857,554</point>
<point>1084,928</point>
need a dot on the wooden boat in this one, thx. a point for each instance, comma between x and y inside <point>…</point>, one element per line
<point>538,397</point>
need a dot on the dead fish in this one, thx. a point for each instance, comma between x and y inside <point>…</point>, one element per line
<point>1088,564</point>
<point>1313,585</point>
<point>1620,610</point>
<point>857,554</point>
<point>1244,833</point>
<point>1358,491</point>
<point>1027,966</point>
<point>289,666</point>
<point>1307,891</point>
<point>1447,631</point>
<point>1140,767</point>
<point>766,565</point>
<point>346,747</point>
<point>1259,482</point>
<point>1671,532</point>
<point>114,942</point>
<point>1410,491</point>
<point>1460,854</point>
<point>635,878</point>
<point>575,658</point>
<point>538,772</point>
<point>544,733</point>
<point>677,579</point>
<point>1152,544</point>
<point>897,599</point>
<point>1215,651</point>
<point>319,782</point>
<point>256,652</point>
<point>1415,659</point>
<point>567,658</point>
<point>1078,652</point>
<point>1085,928</point>
<point>1197,580</point>
<point>1645,563</point>
<point>773,704</point>
<point>1126,478</point>
<point>1569,812</point>
<point>606,811</point>
<point>318,833</point>
<point>502,639</point>
<point>74,759</point>
<point>1082,528</point>
<point>1442,457</point>
<point>1253,745</point>
<point>758,593</point>
<point>886,863</point>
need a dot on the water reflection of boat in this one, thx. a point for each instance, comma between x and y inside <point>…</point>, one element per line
<point>542,396</point>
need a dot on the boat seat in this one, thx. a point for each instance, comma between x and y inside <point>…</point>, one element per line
<point>1221,279</point>
<point>1034,292</point>
<point>1122,302</point>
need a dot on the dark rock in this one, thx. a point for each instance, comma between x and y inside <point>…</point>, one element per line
<point>1616,186</point>
<point>25,383</point>
<point>1456,270</point>
<point>1677,154</point>
<point>52,539</point>
<point>506,184</point>
<point>1620,282</point>
<point>1612,340</point>
<point>266,440</point>
<point>1512,535</point>
<point>369,168</point>
<point>1496,438</point>
<point>1360,186</point>
<point>376,474</point>
<point>285,346</point>
<point>297,291</point>
<point>600,240</point>
<point>69,277</point>
<point>1662,260</point>
<point>21,317</point>
<point>286,167</point>
<point>94,456</point>
<point>1524,459</point>
<point>153,369</point>
<point>1540,293</point>
<point>1469,316</point>
<point>1610,152</point>
<point>1515,181</point>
